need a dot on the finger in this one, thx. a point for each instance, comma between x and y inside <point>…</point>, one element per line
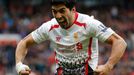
<point>28,69</point>
<point>24,73</point>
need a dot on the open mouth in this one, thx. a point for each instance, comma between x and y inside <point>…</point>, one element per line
<point>60,21</point>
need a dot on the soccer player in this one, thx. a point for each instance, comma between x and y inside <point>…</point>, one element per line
<point>75,41</point>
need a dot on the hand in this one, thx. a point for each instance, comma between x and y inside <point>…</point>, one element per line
<point>22,69</point>
<point>103,69</point>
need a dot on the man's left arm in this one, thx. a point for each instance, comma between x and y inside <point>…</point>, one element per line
<point>118,49</point>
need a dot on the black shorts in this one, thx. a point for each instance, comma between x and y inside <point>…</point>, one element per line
<point>84,70</point>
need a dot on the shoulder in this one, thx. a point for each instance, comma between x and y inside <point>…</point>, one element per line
<point>89,21</point>
<point>50,22</point>
<point>86,18</point>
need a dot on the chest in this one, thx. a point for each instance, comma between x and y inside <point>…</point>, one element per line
<point>67,37</point>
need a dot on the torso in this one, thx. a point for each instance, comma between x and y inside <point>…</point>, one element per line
<point>77,44</point>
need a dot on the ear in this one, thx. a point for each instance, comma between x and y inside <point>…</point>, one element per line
<point>74,9</point>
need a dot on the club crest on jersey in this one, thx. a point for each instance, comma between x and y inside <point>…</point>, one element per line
<point>76,37</point>
<point>58,38</point>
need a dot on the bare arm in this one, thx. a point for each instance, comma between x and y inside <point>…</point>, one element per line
<point>118,48</point>
<point>22,48</point>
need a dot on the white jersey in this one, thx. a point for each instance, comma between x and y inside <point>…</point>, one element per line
<point>77,44</point>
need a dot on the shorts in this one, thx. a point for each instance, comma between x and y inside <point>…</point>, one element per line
<point>82,70</point>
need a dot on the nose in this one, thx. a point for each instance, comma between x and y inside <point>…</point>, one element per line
<point>58,15</point>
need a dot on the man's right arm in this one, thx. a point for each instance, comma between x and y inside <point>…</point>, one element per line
<point>22,49</point>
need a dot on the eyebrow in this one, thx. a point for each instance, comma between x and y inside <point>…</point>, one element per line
<point>59,9</point>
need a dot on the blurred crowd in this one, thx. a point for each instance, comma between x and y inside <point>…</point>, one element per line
<point>23,17</point>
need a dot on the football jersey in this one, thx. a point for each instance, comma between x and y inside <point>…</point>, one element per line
<point>77,44</point>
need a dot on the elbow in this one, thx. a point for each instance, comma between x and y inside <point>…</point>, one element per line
<point>121,43</point>
<point>125,44</point>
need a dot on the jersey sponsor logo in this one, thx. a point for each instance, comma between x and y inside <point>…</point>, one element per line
<point>75,48</point>
<point>63,48</point>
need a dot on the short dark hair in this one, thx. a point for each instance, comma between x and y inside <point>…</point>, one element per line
<point>68,3</point>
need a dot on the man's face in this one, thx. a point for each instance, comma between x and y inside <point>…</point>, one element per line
<point>63,15</point>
